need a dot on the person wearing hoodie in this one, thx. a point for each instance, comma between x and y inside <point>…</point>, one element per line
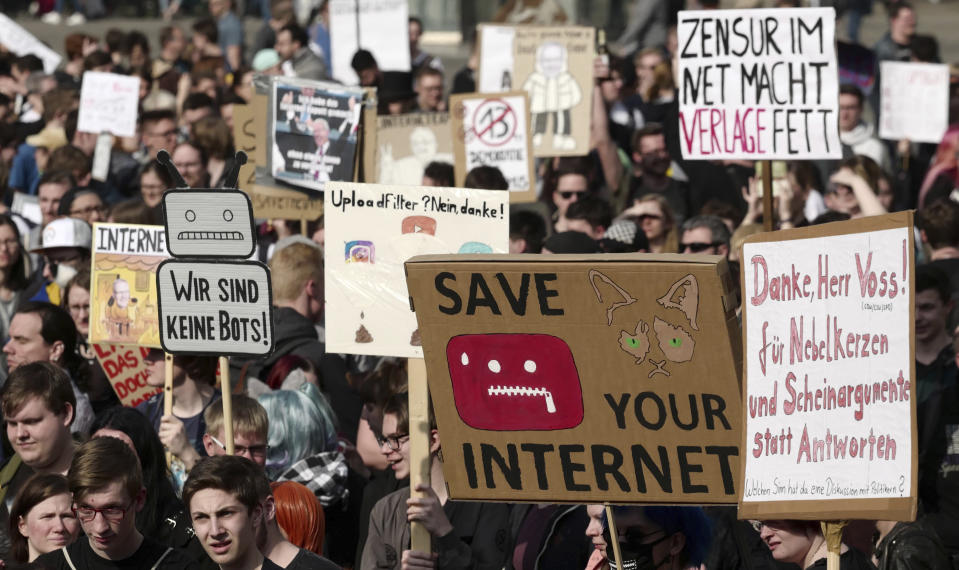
<point>296,274</point>
<point>854,132</point>
<point>466,534</point>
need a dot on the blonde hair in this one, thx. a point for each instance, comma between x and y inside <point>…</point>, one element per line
<point>292,267</point>
<point>249,417</point>
<point>671,243</point>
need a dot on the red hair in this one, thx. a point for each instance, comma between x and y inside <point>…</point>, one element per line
<point>300,515</point>
<point>284,366</point>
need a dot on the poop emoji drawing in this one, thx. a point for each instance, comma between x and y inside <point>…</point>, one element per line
<point>667,340</point>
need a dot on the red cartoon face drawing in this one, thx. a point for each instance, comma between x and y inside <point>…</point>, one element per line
<point>506,382</point>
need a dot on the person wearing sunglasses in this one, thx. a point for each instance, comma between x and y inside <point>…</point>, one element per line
<point>107,487</point>
<point>571,178</point>
<point>671,538</point>
<point>462,531</point>
<point>704,234</point>
<point>802,543</point>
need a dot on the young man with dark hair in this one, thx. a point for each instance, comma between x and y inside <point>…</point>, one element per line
<point>856,133</point>
<point>223,496</point>
<point>107,486</point>
<point>222,488</point>
<point>366,68</point>
<point>293,47</point>
<point>590,215</point>
<point>428,84</point>
<point>937,406</point>
<point>651,162</point>
<point>486,178</point>
<point>705,234</point>
<point>527,230</point>
<point>439,173</point>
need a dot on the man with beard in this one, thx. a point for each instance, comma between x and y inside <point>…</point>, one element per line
<point>651,163</point>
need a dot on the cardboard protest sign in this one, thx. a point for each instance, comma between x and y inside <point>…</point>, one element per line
<point>109,102</point>
<point>314,129</point>
<point>370,231</point>
<point>126,370</point>
<point>758,84</point>
<point>379,26</point>
<point>268,201</point>
<point>493,130</point>
<point>554,65</point>
<point>582,379</point>
<point>828,314</point>
<point>407,143</point>
<point>123,294</point>
<point>212,301</point>
<point>915,101</point>
<point>21,42</point>
<point>215,308</point>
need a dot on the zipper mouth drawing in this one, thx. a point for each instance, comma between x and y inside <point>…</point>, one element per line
<point>511,391</point>
<point>514,382</point>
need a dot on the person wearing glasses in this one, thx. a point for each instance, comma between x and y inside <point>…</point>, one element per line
<point>465,534</point>
<point>107,487</point>
<point>42,518</point>
<point>164,517</point>
<point>250,429</point>
<point>802,543</point>
<point>83,204</point>
<point>704,234</point>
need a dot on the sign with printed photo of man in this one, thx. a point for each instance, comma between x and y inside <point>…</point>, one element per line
<point>315,130</point>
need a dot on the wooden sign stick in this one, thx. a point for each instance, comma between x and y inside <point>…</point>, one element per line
<point>168,394</point>
<point>614,537</point>
<point>303,227</point>
<point>767,183</point>
<point>227,396</point>
<point>420,459</point>
<point>832,530</point>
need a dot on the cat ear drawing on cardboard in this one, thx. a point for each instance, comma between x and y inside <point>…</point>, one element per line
<point>675,343</point>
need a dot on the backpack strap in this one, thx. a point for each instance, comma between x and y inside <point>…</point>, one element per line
<point>160,559</point>
<point>7,474</point>
<point>66,555</point>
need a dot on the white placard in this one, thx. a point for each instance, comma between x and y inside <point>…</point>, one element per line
<point>371,230</point>
<point>21,42</point>
<point>497,49</point>
<point>209,223</point>
<point>758,84</point>
<point>383,28</point>
<point>109,103</point>
<point>496,135</point>
<point>915,101</point>
<point>828,367</point>
<point>215,308</point>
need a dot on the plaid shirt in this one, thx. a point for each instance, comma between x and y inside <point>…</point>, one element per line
<point>325,474</point>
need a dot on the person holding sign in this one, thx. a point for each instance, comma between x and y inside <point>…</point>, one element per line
<point>450,522</point>
<point>193,392</point>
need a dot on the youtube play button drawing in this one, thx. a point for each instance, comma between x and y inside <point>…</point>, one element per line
<point>371,230</point>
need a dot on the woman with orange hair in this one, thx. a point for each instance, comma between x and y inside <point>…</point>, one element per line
<point>300,515</point>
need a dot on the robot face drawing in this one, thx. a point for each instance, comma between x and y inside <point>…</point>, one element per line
<point>209,223</point>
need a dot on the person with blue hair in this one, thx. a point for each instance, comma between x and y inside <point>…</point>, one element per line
<point>651,537</point>
<point>304,447</point>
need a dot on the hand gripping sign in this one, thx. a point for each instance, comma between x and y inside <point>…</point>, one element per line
<point>213,300</point>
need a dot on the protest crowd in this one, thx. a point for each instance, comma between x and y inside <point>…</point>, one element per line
<point>320,476</point>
